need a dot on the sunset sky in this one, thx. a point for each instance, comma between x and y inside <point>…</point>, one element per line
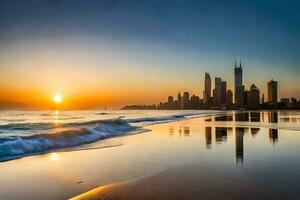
<point>96,53</point>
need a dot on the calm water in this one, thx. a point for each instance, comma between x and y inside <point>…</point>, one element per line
<point>230,155</point>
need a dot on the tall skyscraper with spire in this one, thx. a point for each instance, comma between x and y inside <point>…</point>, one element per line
<point>238,85</point>
<point>207,88</point>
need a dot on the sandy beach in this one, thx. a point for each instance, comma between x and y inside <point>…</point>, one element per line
<point>201,158</point>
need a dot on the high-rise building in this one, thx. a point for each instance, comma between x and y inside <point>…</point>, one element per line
<point>255,98</point>
<point>272,91</point>
<point>207,88</point>
<point>185,100</point>
<point>229,97</point>
<point>170,99</point>
<point>293,100</point>
<point>218,91</point>
<point>238,85</point>
<point>179,101</point>
<point>239,96</point>
<point>223,92</point>
<point>247,98</point>
<point>285,101</point>
<point>194,102</point>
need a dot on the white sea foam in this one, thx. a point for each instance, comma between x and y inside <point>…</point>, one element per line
<point>75,133</point>
<point>42,142</point>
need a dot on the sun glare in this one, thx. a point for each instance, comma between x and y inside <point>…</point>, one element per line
<point>57,98</point>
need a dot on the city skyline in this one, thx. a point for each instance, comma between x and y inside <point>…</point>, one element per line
<point>111,53</point>
<point>222,97</point>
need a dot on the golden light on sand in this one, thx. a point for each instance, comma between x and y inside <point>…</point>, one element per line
<point>54,156</point>
<point>57,98</point>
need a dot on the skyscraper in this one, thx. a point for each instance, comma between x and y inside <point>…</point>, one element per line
<point>238,85</point>
<point>223,92</point>
<point>185,100</point>
<point>170,99</point>
<point>247,98</point>
<point>179,101</point>
<point>272,91</point>
<point>229,97</point>
<point>218,91</point>
<point>207,88</point>
<point>255,98</point>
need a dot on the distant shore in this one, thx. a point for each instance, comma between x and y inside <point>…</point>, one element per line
<point>138,107</point>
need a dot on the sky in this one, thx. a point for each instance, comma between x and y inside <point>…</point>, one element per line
<point>113,53</point>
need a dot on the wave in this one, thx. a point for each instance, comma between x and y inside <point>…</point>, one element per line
<point>77,133</point>
<point>16,146</point>
<point>46,125</point>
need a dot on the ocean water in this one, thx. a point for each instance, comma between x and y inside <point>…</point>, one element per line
<point>25,133</point>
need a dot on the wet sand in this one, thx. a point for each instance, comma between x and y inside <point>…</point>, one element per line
<point>204,158</point>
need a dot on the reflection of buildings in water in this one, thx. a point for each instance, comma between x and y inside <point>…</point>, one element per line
<point>220,118</point>
<point>246,114</point>
<point>289,119</point>
<point>208,120</point>
<point>285,119</point>
<point>186,130</point>
<point>273,135</point>
<point>224,118</point>
<point>229,118</point>
<point>263,116</point>
<point>239,144</point>
<point>221,134</point>
<point>242,116</point>
<point>254,116</point>
<point>254,131</point>
<point>171,130</point>
<point>294,119</point>
<point>208,137</point>
<point>273,117</point>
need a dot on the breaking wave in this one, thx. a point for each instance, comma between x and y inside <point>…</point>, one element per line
<point>16,146</point>
<point>42,138</point>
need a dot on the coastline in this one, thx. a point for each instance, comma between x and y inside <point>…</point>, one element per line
<point>174,156</point>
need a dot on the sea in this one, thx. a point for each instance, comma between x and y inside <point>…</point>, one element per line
<point>24,133</point>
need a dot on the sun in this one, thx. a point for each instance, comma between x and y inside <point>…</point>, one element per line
<point>57,98</point>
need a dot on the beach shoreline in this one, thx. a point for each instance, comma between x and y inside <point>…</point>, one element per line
<point>175,156</point>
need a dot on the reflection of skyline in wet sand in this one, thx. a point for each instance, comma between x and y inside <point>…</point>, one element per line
<point>239,144</point>
<point>273,135</point>
<point>249,117</point>
<point>221,134</point>
<point>181,130</point>
<point>208,137</point>
<point>254,131</point>
<point>224,136</point>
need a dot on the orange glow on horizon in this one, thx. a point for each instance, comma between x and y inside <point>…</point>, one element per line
<point>57,98</point>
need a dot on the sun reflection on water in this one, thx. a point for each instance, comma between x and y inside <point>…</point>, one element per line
<point>54,156</point>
